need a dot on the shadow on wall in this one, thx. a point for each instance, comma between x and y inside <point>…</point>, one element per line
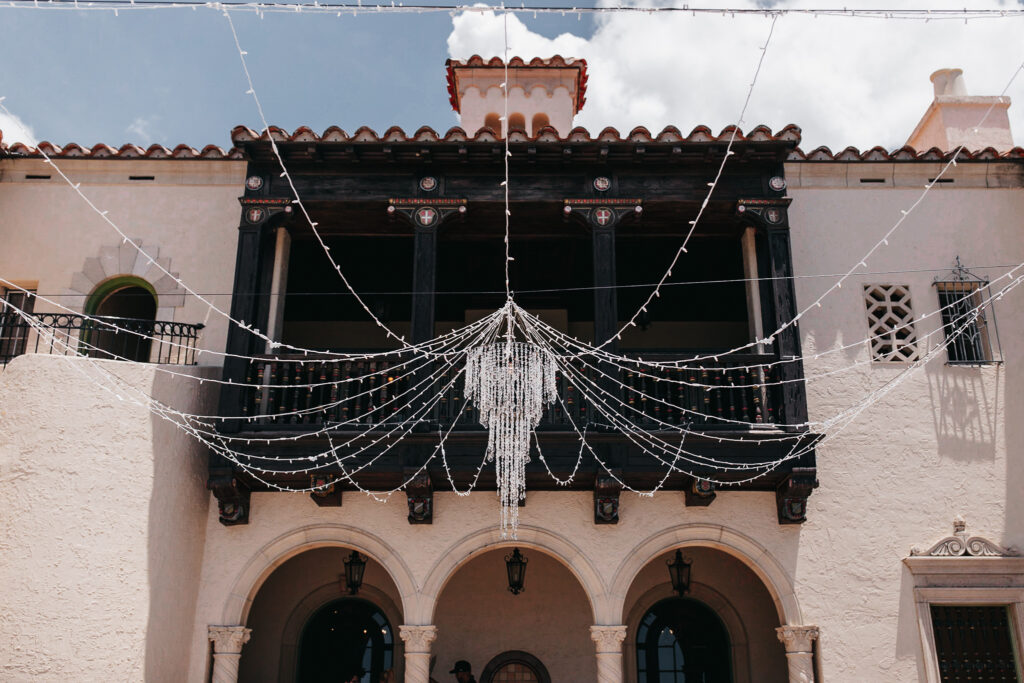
<point>177,516</point>
<point>965,409</point>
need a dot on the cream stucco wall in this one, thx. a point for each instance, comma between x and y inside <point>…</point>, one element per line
<point>104,512</point>
<point>945,442</point>
<point>189,213</point>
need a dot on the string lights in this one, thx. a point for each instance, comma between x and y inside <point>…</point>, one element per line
<point>511,378</point>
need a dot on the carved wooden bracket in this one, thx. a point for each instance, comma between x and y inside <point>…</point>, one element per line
<point>426,213</point>
<point>602,213</point>
<point>792,493</point>
<point>419,493</point>
<point>328,493</point>
<point>257,210</point>
<point>232,498</point>
<point>769,213</point>
<point>606,498</point>
<point>700,493</point>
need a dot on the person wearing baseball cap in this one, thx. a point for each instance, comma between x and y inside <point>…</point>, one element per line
<point>463,672</point>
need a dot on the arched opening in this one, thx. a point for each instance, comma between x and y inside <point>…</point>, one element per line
<point>344,637</point>
<point>493,121</point>
<point>540,119</point>
<point>515,666</point>
<point>126,309</point>
<point>681,640</point>
<point>298,604</point>
<point>516,122</point>
<point>725,592</point>
<point>478,619</point>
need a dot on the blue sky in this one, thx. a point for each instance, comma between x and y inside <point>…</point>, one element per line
<point>172,76</point>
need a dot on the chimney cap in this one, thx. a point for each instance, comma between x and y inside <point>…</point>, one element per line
<point>949,83</point>
<point>453,66</point>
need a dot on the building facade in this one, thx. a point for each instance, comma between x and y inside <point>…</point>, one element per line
<point>134,549</point>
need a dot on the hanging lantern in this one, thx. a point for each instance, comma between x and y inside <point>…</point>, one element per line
<point>355,565</point>
<point>516,566</point>
<point>679,571</point>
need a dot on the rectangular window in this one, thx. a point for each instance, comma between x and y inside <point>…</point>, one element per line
<point>891,323</point>
<point>14,328</point>
<point>965,322</point>
<point>974,643</point>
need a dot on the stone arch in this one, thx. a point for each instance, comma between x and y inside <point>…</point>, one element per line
<point>125,260</point>
<point>480,542</point>
<point>757,558</point>
<point>278,551</point>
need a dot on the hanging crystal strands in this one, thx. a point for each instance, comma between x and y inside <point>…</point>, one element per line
<point>510,383</point>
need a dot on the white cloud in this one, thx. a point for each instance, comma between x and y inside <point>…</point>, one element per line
<point>844,81</point>
<point>142,129</point>
<point>15,130</point>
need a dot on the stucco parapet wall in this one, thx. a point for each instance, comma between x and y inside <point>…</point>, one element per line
<point>872,175</point>
<point>92,171</point>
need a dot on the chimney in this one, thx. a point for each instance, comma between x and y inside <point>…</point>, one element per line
<point>543,92</point>
<point>954,118</point>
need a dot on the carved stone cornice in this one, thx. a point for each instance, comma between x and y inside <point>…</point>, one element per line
<point>960,545</point>
<point>797,638</point>
<point>608,638</point>
<point>229,639</point>
<point>417,638</point>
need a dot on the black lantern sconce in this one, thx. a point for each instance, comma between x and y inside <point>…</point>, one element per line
<point>679,571</point>
<point>355,566</point>
<point>516,566</point>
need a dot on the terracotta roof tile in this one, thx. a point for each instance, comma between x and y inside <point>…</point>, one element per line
<point>73,150</point>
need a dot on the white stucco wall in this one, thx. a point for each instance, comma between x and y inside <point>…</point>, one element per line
<point>104,514</point>
<point>189,214</point>
<point>946,442</point>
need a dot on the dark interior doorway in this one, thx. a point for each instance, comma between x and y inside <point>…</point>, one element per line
<point>129,312</point>
<point>681,641</point>
<point>346,636</point>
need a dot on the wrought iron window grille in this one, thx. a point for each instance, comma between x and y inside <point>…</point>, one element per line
<point>968,318</point>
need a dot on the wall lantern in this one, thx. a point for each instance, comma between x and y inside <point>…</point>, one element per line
<point>516,566</point>
<point>355,565</point>
<point>679,571</point>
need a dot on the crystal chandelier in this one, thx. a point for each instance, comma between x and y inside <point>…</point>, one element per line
<point>510,382</point>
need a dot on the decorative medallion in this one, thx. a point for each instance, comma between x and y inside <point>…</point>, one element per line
<point>253,182</point>
<point>254,215</point>
<point>603,216</point>
<point>773,216</point>
<point>777,183</point>
<point>426,216</point>
<point>602,183</point>
<point>428,183</point>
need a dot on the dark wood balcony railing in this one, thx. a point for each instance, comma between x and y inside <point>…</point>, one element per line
<point>294,392</point>
<point>145,341</point>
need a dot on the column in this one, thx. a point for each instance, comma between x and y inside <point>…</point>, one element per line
<point>799,651</point>
<point>606,316</point>
<point>755,322</point>
<point>278,286</point>
<point>609,652</point>
<point>227,651</point>
<point>424,277</point>
<point>417,641</point>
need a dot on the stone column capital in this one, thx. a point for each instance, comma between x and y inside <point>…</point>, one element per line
<point>797,638</point>
<point>417,638</point>
<point>229,639</point>
<point>608,638</point>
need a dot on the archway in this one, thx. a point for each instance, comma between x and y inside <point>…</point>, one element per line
<point>126,308</point>
<point>515,666</point>
<point>478,618</point>
<point>726,599</point>
<point>296,605</point>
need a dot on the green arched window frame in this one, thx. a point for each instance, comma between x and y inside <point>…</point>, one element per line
<point>113,285</point>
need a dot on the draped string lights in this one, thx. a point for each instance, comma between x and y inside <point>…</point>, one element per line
<point>509,365</point>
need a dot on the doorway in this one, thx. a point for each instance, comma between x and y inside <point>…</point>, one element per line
<point>346,636</point>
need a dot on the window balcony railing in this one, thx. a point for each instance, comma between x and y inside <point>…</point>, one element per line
<point>146,341</point>
<point>297,392</point>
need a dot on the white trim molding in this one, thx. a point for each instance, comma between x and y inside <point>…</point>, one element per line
<point>949,573</point>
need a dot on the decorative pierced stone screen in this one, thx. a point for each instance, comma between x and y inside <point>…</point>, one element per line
<point>891,323</point>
